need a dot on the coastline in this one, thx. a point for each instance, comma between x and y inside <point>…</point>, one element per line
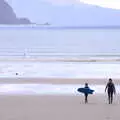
<point>35,80</point>
<point>59,59</point>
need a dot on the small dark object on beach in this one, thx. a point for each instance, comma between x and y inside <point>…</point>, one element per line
<point>16,73</point>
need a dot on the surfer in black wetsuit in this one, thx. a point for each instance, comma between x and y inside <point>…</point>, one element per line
<point>110,87</point>
<point>86,95</point>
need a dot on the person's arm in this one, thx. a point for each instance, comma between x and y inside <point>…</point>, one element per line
<point>106,87</point>
<point>114,89</point>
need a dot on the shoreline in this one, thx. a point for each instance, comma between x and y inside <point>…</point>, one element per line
<point>30,59</point>
<point>58,60</point>
<point>33,80</point>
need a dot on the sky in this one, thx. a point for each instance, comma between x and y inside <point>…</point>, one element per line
<point>115,4</point>
<point>31,8</point>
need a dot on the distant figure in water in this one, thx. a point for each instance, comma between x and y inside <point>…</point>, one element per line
<point>86,94</point>
<point>16,73</point>
<point>110,87</point>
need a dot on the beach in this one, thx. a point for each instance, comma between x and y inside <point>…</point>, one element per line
<point>40,71</point>
<point>54,80</point>
<point>40,90</point>
<point>57,108</point>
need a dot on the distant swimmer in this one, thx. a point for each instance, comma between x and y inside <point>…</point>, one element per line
<point>16,73</point>
<point>110,87</point>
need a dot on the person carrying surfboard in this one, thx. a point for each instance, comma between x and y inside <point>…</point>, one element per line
<point>110,87</point>
<point>86,94</point>
<point>86,91</point>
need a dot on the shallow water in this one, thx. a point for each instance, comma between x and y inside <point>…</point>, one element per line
<point>60,69</point>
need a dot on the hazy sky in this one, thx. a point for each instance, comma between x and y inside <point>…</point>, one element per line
<point>31,8</point>
<point>104,3</point>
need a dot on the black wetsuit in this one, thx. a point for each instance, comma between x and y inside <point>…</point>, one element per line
<point>86,95</point>
<point>110,89</point>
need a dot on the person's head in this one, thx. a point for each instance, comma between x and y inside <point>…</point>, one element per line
<point>86,84</point>
<point>110,80</point>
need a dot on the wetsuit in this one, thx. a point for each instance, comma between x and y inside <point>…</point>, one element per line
<point>86,95</point>
<point>110,89</point>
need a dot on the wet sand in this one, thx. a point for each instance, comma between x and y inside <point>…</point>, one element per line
<point>61,59</point>
<point>22,80</point>
<point>59,107</point>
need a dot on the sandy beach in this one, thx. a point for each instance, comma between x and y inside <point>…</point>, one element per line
<point>58,108</point>
<point>23,80</point>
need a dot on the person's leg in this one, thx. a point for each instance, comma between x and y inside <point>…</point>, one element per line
<point>109,97</point>
<point>86,100</point>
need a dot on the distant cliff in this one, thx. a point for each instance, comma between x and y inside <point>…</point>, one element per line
<point>8,16</point>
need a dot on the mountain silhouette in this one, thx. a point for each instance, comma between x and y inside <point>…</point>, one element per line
<point>41,12</point>
<point>8,16</point>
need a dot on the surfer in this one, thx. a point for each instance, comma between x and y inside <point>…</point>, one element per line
<point>86,94</point>
<point>86,91</point>
<point>110,87</point>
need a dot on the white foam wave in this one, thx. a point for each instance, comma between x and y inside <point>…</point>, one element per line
<point>59,69</point>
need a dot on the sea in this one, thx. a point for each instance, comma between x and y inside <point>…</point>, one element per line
<point>89,44</point>
<point>76,51</point>
<point>56,42</point>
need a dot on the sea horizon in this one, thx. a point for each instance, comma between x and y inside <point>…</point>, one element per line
<point>43,26</point>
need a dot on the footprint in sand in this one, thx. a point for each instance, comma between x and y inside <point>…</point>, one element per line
<point>108,118</point>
